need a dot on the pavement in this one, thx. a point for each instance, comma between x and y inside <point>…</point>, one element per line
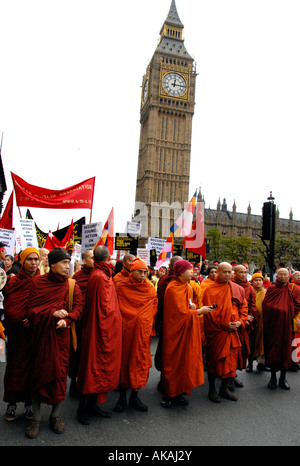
<point>260,417</point>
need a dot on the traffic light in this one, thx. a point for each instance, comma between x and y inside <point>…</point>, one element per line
<point>268,220</point>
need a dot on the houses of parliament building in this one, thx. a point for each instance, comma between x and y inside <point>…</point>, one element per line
<point>233,223</point>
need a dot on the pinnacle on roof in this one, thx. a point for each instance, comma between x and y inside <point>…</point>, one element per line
<point>173,17</point>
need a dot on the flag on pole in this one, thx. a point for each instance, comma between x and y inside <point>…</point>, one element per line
<point>183,224</point>
<point>6,221</point>
<point>107,236</point>
<point>195,241</point>
<point>166,252</point>
<point>53,242</point>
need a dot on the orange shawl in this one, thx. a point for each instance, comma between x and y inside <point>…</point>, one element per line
<point>222,345</point>
<point>182,365</point>
<point>120,277</point>
<point>138,305</point>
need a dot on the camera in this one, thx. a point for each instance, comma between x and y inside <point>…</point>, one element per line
<point>213,306</point>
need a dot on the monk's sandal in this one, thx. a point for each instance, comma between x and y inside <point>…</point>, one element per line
<point>33,429</point>
<point>57,425</point>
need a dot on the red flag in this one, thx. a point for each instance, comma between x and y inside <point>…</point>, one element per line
<point>78,196</point>
<point>107,236</point>
<point>6,221</point>
<point>53,242</point>
<point>195,241</point>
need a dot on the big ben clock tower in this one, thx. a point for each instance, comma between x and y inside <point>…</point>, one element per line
<point>167,108</point>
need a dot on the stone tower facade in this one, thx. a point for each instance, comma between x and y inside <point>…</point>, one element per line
<point>166,113</point>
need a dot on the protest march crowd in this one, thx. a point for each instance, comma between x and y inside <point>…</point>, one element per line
<point>94,326</point>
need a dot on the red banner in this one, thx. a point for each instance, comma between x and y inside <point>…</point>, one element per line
<point>79,196</point>
<point>6,221</point>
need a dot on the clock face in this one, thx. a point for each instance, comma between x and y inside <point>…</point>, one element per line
<point>174,84</point>
<point>145,90</point>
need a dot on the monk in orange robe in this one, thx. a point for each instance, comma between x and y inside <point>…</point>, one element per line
<point>138,305</point>
<point>101,347</point>
<point>212,273</point>
<point>182,365</point>
<point>221,328</point>
<point>211,276</point>
<point>125,271</point>
<point>159,318</point>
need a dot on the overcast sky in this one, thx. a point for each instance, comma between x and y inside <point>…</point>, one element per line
<point>70,84</point>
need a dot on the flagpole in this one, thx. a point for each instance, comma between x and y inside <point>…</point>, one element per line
<point>91,216</point>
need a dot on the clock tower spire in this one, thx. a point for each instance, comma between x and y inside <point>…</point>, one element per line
<point>167,109</point>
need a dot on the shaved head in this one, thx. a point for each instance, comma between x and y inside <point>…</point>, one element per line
<point>283,275</point>
<point>224,272</point>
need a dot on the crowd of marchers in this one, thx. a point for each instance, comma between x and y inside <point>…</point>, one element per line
<point>94,325</point>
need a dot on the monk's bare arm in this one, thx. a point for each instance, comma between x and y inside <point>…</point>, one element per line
<point>204,310</point>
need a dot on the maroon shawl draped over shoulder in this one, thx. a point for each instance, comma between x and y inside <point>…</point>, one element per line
<point>82,277</point>
<point>51,346</point>
<point>280,306</point>
<point>16,295</point>
<point>101,347</point>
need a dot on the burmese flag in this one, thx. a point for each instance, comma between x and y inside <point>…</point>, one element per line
<point>166,252</point>
<point>107,236</point>
<point>195,241</point>
<point>183,224</point>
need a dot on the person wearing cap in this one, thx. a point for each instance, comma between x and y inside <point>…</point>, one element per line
<point>257,347</point>
<point>101,348</point>
<point>16,295</point>
<point>138,304</point>
<point>51,313</point>
<point>182,364</point>
<point>221,328</point>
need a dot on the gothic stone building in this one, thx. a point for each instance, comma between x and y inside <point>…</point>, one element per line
<point>233,223</point>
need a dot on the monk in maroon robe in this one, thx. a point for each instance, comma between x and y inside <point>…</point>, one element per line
<point>101,348</point>
<point>81,277</point>
<point>16,295</point>
<point>51,317</point>
<point>280,306</point>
